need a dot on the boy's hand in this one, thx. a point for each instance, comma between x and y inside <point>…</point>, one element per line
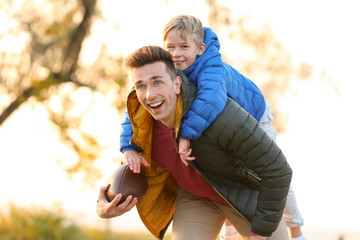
<point>109,210</point>
<point>185,151</point>
<point>133,159</point>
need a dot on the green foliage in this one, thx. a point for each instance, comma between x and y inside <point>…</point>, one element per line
<point>96,234</point>
<point>37,224</point>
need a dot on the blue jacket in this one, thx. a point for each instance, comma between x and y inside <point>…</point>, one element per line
<point>215,81</point>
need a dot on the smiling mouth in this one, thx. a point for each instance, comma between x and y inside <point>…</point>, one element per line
<point>156,105</point>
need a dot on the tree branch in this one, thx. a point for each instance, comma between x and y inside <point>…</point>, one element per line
<point>70,62</point>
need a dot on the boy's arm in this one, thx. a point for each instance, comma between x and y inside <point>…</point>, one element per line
<point>131,156</point>
<point>133,159</point>
<point>185,151</point>
<point>210,101</point>
<point>126,133</point>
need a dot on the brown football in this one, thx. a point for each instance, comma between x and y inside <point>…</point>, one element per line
<point>126,182</point>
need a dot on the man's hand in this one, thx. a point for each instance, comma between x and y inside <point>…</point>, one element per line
<point>133,159</point>
<point>109,210</point>
<point>185,151</point>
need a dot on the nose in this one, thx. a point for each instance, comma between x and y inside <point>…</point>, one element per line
<point>150,93</point>
<point>175,52</point>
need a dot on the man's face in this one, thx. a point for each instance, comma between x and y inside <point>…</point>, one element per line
<point>156,91</point>
<point>183,52</point>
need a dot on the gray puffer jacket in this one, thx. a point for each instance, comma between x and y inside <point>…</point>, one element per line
<point>242,163</point>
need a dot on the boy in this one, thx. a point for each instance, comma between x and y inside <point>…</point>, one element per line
<point>199,58</point>
<point>195,51</point>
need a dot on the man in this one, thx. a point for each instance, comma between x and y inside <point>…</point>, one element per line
<point>238,173</point>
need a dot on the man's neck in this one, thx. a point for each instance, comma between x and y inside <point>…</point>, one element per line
<point>169,124</point>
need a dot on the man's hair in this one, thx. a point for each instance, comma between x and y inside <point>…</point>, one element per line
<point>148,55</point>
<point>187,25</point>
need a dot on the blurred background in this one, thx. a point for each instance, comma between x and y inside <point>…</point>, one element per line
<point>63,87</point>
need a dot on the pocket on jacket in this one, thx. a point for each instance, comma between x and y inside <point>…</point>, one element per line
<point>246,175</point>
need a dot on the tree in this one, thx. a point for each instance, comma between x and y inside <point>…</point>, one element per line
<point>260,57</point>
<point>48,66</point>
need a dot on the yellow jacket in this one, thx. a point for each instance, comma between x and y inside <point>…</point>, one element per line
<point>157,207</point>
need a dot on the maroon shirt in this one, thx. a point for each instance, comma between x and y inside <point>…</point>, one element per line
<point>165,153</point>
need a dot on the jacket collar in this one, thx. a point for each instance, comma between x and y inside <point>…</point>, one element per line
<point>140,117</point>
<point>189,92</point>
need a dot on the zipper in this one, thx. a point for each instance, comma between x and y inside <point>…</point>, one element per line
<point>222,196</point>
<point>250,174</point>
<point>256,179</point>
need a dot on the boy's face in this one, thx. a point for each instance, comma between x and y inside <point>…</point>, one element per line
<point>157,92</point>
<point>183,52</point>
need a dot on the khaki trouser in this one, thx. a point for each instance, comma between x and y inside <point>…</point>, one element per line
<point>198,219</point>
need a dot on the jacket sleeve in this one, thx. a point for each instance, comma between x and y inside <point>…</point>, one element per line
<point>208,104</point>
<point>126,133</point>
<point>241,135</point>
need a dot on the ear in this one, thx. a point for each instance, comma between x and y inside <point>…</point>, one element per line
<point>177,85</point>
<point>201,49</point>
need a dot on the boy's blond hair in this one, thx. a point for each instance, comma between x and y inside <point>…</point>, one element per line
<point>187,25</point>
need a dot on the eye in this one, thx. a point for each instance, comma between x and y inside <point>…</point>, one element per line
<point>157,82</point>
<point>185,46</point>
<point>139,87</point>
<point>168,48</point>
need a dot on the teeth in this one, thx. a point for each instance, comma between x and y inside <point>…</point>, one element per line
<point>155,104</point>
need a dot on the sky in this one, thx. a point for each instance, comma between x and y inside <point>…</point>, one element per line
<point>321,141</point>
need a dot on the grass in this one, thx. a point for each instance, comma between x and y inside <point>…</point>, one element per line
<point>94,234</point>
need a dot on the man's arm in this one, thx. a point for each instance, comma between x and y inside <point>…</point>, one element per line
<point>241,136</point>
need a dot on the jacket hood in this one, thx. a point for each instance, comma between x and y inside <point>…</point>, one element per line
<point>212,47</point>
